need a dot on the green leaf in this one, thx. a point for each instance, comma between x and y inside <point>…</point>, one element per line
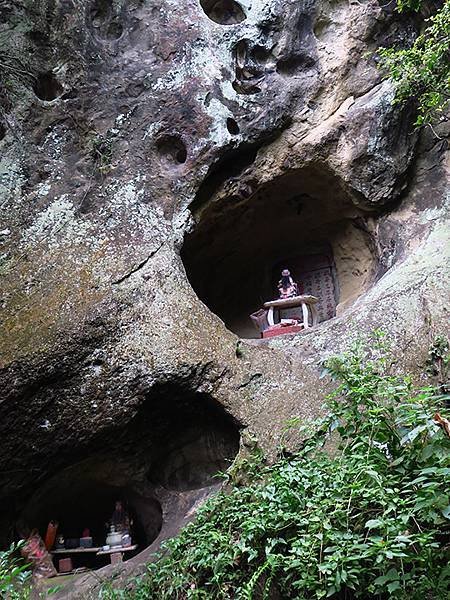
<point>391,575</point>
<point>373,523</point>
<point>395,585</point>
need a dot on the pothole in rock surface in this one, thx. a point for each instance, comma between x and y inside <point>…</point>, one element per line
<point>47,86</point>
<point>295,63</point>
<point>303,221</point>
<point>105,21</point>
<point>158,465</point>
<point>232,126</point>
<point>114,30</point>
<point>172,149</point>
<point>224,12</point>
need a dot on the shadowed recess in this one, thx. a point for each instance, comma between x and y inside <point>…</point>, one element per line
<point>159,463</point>
<point>84,495</point>
<point>172,148</point>
<point>304,221</point>
<point>47,86</point>
<point>224,12</point>
<point>105,20</point>
<point>232,126</point>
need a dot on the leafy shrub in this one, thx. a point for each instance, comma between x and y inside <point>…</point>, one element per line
<point>368,520</point>
<point>423,71</point>
<point>14,575</point>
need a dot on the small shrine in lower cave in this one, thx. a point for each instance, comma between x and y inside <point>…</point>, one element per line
<point>70,546</point>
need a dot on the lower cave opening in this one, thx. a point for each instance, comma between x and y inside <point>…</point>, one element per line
<point>303,220</point>
<point>158,465</point>
<point>84,496</point>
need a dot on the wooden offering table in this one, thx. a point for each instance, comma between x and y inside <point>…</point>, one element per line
<point>306,302</point>
<point>65,566</point>
<point>116,553</point>
<point>75,551</point>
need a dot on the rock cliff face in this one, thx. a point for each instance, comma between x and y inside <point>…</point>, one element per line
<point>158,161</point>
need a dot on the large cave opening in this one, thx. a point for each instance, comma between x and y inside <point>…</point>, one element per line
<point>157,465</point>
<point>303,220</point>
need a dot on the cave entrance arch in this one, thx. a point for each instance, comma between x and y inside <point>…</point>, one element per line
<point>160,462</point>
<point>303,220</point>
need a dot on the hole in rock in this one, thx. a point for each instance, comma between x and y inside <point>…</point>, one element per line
<point>114,30</point>
<point>100,11</point>
<point>224,12</point>
<point>47,87</point>
<point>303,221</point>
<point>158,465</point>
<point>84,496</point>
<point>232,126</point>
<point>104,20</point>
<point>248,71</point>
<point>2,131</point>
<point>262,55</point>
<point>172,148</point>
<point>295,63</point>
<point>245,87</point>
<point>38,37</point>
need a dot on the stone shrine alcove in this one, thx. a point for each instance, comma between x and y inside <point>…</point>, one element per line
<point>84,496</point>
<point>158,464</point>
<point>304,221</point>
<point>315,270</point>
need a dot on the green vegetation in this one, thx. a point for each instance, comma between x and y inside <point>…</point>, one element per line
<point>362,510</point>
<point>14,575</point>
<point>101,152</point>
<point>423,71</point>
<point>438,362</point>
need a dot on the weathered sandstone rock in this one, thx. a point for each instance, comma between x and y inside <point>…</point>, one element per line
<point>157,161</point>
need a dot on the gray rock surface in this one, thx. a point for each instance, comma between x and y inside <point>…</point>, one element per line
<point>146,146</point>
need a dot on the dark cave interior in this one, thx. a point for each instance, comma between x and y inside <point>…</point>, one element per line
<point>223,12</point>
<point>303,220</point>
<point>47,87</point>
<point>174,446</point>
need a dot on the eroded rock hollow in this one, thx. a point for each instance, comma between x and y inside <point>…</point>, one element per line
<point>159,164</point>
<point>304,220</point>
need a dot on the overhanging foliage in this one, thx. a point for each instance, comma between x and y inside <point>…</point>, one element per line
<point>423,71</point>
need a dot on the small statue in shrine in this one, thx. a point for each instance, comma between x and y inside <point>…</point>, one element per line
<point>287,287</point>
<point>120,518</point>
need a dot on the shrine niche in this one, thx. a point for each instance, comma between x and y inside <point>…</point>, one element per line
<point>317,276</point>
<point>303,221</point>
<point>135,488</point>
